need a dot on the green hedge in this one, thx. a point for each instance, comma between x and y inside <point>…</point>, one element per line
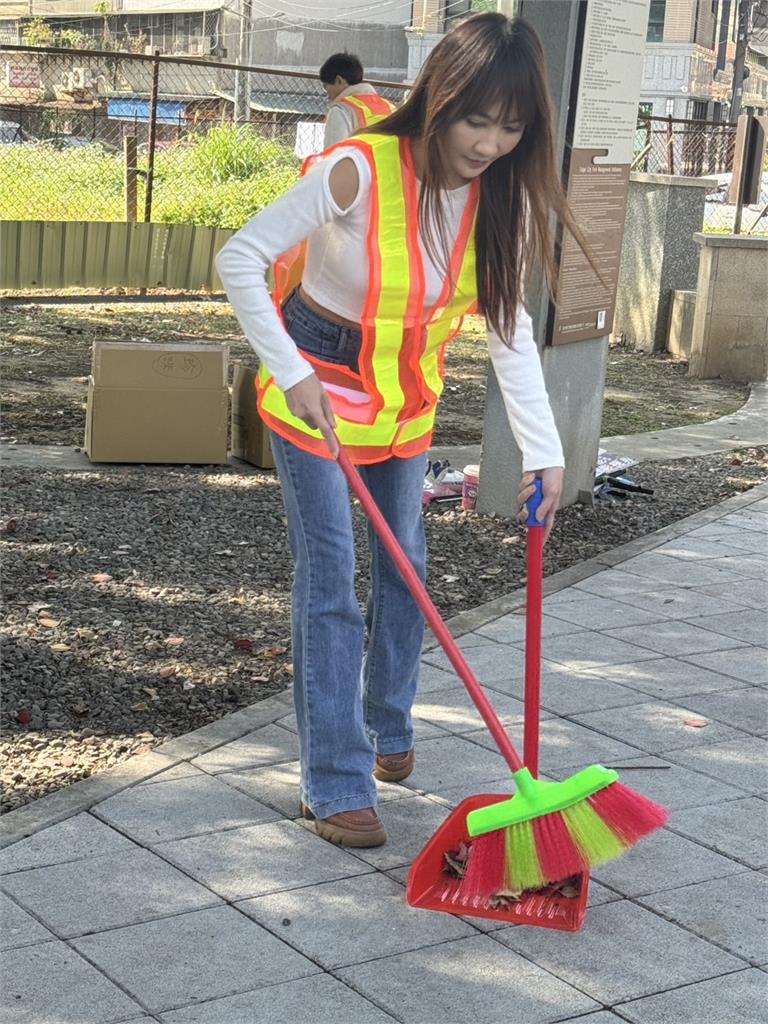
<point>220,179</point>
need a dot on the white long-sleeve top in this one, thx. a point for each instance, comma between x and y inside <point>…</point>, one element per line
<point>336,277</point>
<point>341,121</point>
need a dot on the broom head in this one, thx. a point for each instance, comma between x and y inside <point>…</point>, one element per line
<point>552,830</point>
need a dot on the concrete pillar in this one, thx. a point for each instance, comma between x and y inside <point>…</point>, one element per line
<point>730,326</point>
<point>574,372</point>
<point>659,254</point>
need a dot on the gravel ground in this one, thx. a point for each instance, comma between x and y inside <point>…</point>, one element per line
<point>141,604</point>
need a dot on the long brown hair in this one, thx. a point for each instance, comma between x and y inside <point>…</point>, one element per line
<point>487,60</point>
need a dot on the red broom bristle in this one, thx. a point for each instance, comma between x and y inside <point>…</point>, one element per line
<point>486,869</point>
<point>559,856</point>
<point>628,814</point>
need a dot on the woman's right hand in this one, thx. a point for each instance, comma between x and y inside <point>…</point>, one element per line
<point>308,400</point>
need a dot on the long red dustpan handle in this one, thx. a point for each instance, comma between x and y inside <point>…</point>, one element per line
<point>430,613</point>
<point>533,604</point>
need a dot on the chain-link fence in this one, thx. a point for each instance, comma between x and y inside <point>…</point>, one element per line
<point>699,149</point>
<point>87,135</point>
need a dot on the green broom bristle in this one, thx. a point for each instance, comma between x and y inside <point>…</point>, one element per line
<point>523,867</point>
<point>596,841</point>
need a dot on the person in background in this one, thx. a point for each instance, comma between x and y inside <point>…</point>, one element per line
<point>354,103</point>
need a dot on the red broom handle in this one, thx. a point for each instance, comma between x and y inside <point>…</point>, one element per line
<point>533,606</point>
<point>429,611</point>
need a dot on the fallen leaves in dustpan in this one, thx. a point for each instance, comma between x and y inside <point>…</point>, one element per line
<point>456,867</point>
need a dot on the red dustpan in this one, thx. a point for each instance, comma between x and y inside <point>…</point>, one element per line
<point>431,883</point>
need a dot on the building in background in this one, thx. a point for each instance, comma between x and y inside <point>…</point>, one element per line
<point>688,68</point>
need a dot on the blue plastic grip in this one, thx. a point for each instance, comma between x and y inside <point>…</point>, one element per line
<point>533,503</point>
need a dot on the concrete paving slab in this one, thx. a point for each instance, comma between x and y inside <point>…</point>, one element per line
<point>749,625</point>
<point>745,709</point>
<point>269,745</point>
<point>747,664</point>
<point>185,770</point>
<point>433,678</point>
<point>597,613</point>
<point>669,784</point>
<point>586,650</point>
<point>261,859</point>
<point>683,602</point>
<point>320,999</point>
<point>464,982</point>
<point>468,640</point>
<point>105,892</point>
<point>563,744</point>
<point>747,519</point>
<point>754,566</point>
<point>738,998</point>
<point>50,983</point>
<point>186,807</point>
<point>491,662</point>
<point>603,1017</point>
<point>566,692</point>
<point>410,824</point>
<point>453,796</point>
<point>176,961</point>
<point>18,928</point>
<point>731,912</point>
<point>277,786</point>
<point>609,583</point>
<point>697,548</point>
<point>675,638</point>
<point>623,952</point>
<point>664,861</point>
<point>671,678</point>
<point>751,593</point>
<point>664,569</point>
<point>332,924</point>
<point>80,836</point>
<point>657,726</point>
<point>737,828</point>
<point>452,709</point>
<point>742,762</point>
<point>732,536</point>
<point>449,761</point>
<point>421,730</point>
<point>510,628</point>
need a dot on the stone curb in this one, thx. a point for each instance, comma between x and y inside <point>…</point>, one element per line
<point>81,796</point>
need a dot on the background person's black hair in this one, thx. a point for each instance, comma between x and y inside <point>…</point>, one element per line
<point>347,65</point>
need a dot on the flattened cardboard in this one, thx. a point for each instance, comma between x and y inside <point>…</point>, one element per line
<point>250,436</point>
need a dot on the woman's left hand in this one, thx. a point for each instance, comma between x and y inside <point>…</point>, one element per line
<point>552,486</point>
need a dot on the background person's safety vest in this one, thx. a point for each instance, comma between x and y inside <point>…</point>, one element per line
<point>368,108</point>
<point>388,407</point>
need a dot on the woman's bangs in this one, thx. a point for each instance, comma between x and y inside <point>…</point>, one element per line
<point>504,81</point>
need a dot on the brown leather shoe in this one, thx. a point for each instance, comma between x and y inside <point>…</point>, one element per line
<point>361,828</point>
<point>394,767</point>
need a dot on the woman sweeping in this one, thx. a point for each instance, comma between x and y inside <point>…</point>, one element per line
<point>386,242</point>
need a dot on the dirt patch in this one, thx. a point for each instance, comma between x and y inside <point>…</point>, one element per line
<point>47,359</point>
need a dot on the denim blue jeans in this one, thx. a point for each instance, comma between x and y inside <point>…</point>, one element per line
<point>355,674</point>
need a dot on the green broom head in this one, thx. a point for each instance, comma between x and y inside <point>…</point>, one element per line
<point>535,798</point>
<point>556,829</point>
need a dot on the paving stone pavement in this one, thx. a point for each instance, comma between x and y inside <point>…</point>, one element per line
<point>183,889</point>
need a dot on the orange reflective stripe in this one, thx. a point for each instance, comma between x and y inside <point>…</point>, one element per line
<point>368,109</point>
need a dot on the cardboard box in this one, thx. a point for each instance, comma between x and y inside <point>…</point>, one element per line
<point>250,437</point>
<point>157,403</point>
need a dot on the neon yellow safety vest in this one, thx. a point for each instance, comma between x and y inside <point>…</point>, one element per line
<point>387,408</point>
<point>368,108</point>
